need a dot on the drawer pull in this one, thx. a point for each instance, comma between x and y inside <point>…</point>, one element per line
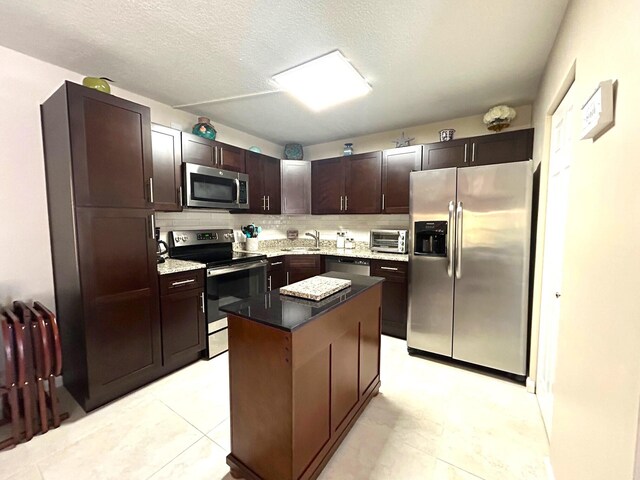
<point>393,269</point>
<point>276,263</point>
<point>182,282</point>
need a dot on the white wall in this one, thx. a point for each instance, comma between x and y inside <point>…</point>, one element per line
<point>597,390</point>
<point>427,133</point>
<point>25,254</point>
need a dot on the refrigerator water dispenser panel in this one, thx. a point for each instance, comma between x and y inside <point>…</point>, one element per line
<point>430,239</point>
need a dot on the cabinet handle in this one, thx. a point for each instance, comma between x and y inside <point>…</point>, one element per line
<point>151,189</point>
<point>473,152</point>
<point>383,202</point>
<point>221,156</point>
<point>276,263</point>
<point>182,282</point>
<point>287,278</point>
<point>152,226</point>
<point>269,283</point>
<point>180,196</point>
<point>264,202</point>
<point>269,202</point>
<point>202,302</point>
<point>393,269</point>
<point>215,153</point>
<point>466,147</point>
<point>346,203</point>
<point>341,203</point>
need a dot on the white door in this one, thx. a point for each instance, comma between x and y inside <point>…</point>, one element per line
<point>562,134</point>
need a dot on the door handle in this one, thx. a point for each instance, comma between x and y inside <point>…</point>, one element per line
<point>466,147</point>
<point>341,203</point>
<point>152,226</point>
<point>346,203</point>
<point>180,196</point>
<point>151,189</point>
<point>215,153</point>
<point>383,202</point>
<point>264,203</point>
<point>287,278</point>
<point>473,152</point>
<point>202,301</point>
<point>221,156</point>
<point>269,202</point>
<point>450,237</point>
<point>269,282</point>
<point>459,219</point>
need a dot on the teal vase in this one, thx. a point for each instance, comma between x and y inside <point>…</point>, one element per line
<point>204,129</point>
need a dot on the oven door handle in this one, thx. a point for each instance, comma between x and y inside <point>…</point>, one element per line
<point>214,272</point>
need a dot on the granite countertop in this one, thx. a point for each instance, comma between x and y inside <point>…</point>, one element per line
<point>342,252</point>
<point>171,265</point>
<point>289,313</point>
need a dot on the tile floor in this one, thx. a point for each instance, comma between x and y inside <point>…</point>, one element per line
<point>431,421</point>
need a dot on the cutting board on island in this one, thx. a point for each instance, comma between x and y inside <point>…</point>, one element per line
<point>315,288</point>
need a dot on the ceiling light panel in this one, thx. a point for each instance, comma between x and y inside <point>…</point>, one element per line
<point>324,82</point>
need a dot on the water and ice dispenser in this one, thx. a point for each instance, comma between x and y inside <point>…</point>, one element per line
<point>430,239</point>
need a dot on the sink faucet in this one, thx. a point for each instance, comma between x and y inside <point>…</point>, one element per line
<point>316,237</point>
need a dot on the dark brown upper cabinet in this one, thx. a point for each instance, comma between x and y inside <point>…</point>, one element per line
<point>296,186</point>
<point>363,190</point>
<point>111,149</point>
<point>167,163</point>
<point>327,186</point>
<point>454,153</point>
<point>264,183</point>
<point>351,184</point>
<point>397,164</point>
<point>502,147</point>
<point>210,153</point>
<point>513,146</point>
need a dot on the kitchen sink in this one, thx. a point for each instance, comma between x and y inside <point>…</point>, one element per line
<point>301,249</point>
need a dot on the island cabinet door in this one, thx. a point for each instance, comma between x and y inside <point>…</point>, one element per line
<point>344,374</point>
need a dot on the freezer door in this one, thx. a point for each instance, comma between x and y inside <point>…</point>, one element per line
<point>492,266</point>
<point>429,328</point>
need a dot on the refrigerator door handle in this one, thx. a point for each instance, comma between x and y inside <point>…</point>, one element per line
<point>459,240</point>
<point>450,238</point>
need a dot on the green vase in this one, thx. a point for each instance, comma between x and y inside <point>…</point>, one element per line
<point>204,129</point>
<point>98,83</point>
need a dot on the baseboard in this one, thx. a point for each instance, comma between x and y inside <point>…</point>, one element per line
<point>531,385</point>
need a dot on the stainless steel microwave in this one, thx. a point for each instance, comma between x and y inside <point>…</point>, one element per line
<point>207,187</point>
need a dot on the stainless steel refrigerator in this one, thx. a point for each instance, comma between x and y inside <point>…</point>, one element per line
<point>469,264</point>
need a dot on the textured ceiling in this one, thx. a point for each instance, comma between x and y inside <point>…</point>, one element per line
<point>426,60</point>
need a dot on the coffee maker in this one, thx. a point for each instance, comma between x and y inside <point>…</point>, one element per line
<point>161,247</point>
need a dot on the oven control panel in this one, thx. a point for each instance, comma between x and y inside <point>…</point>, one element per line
<point>185,238</point>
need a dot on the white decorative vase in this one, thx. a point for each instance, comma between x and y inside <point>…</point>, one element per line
<point>252,244</point>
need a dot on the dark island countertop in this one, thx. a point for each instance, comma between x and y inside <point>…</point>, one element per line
<point>288,313</point>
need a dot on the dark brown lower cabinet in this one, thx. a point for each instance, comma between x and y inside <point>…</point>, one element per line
<point>276,273</point>
<point>394,296</point>
<point>182,307</point>
<point>301,267</point>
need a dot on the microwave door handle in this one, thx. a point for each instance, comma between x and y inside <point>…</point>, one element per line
<point>237,191</point>
<point>450,238</point>
<point>214,272</point>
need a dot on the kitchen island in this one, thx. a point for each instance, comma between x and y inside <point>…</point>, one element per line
<point>301,372</point>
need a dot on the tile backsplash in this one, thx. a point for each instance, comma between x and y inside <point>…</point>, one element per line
<point>276,226</point>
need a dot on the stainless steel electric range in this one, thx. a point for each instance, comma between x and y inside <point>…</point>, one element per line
<point>231,276</point>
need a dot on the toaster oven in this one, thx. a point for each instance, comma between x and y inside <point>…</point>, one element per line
<point>389,241</point>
